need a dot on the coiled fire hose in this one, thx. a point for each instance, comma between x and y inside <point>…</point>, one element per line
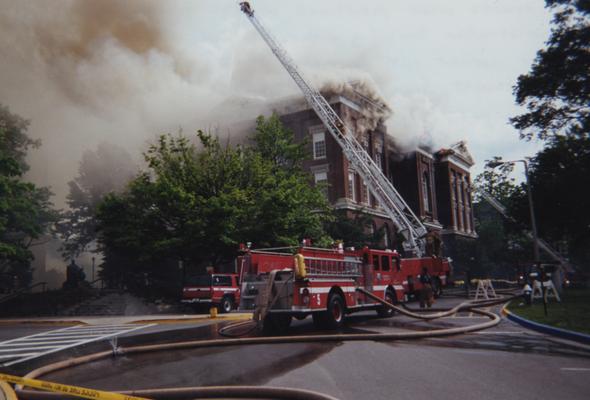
<point>466,305</point>
<point>255,391</point>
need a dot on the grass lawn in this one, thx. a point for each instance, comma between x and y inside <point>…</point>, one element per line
<point>572,313</point>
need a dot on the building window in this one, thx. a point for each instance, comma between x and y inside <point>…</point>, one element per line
<point>321,181</point>
<point>386,236</point>
<point>379,159</point>
<point>426,192</point>
<point>351,186</point>
<point>365,195</point>
<point>319,145</point>
<point>378,154</point>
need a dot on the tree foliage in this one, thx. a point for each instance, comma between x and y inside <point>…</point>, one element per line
<point>496,181</point>
<point>356,231</point>
<point>556,92</point>
<point>502,244</point>
<point>25,209</point>
<point>107,169</point>
<point>197,202</point>
<point>559,179</point>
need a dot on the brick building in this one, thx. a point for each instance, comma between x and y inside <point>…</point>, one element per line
<point>434,184</point>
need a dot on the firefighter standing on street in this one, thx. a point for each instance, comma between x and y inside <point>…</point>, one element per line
<point>426,293</point>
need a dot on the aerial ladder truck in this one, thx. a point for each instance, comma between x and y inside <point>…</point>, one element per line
<point>403,218</point>
<point>328,283</point>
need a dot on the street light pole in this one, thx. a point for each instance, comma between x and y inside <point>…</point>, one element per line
<point>93,270</point>
<point>536,256</point>
<point>532,211</point>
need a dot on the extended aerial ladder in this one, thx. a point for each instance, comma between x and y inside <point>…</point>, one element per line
<point>404,219</point>
<point>542,244</point>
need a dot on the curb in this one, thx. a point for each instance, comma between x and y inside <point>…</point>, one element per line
<point>551,330</point>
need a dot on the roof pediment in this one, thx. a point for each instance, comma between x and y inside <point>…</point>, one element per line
<point>457,151</point>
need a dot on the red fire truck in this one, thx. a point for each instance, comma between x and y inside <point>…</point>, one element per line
<point>278,285</point>
<point>212,290</point>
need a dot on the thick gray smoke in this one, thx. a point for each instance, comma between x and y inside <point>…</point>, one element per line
<point>87,72</point>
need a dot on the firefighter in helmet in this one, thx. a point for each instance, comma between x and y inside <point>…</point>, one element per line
<point>426,293</point>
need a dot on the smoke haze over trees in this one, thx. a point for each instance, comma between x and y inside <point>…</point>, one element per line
<point>106,170</point>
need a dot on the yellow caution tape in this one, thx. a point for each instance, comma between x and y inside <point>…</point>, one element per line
<point>76,391</point>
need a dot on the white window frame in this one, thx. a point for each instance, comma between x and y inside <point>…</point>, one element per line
<point>319,145</point>
<point>351,185</point>
<point>321,177</point>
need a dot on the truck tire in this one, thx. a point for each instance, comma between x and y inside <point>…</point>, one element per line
<point>226,304</point>
<point>333,317</point>
<point>276,324</point>
<point>386,312</point>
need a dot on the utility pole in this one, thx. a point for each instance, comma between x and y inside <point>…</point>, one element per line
<point>541,270</point>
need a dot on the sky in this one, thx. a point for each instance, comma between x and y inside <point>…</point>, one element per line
<point>87,72</point>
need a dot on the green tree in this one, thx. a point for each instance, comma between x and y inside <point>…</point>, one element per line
<point>196,203</point>
<point>559,176</point>
<point>25,209</point>
<point>502,245</point>
<point>277,144</point>
<point>496,181</point>
<point>356,231</point>
<point>556,92</point>
<point>107,169</point>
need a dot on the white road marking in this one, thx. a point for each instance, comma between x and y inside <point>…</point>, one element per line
<point>575,369</point>
<point>53,341</point>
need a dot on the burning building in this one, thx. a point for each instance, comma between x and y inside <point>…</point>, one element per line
<point>434,183</point>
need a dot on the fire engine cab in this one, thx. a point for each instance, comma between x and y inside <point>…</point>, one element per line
<point>278,285</point>
<point>212,290</point>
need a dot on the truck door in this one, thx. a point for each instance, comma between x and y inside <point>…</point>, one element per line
<point>385,270</point>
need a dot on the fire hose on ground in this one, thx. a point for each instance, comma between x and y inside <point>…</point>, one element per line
<point>265,392</point>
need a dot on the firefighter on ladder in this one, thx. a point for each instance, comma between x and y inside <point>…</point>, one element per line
<point>245,7</point>
<point>426,293</point>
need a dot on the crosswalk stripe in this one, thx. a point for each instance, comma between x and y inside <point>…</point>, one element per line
<point>59,339</point>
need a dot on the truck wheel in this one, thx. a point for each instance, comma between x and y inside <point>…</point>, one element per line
<point>333,318</point>
<point>276,324</point>
<point>386,312</point>
<point>226,305</point>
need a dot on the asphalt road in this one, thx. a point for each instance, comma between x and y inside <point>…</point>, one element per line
<point>505,362</point>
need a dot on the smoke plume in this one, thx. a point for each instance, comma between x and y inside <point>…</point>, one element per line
<point>87,72</point>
